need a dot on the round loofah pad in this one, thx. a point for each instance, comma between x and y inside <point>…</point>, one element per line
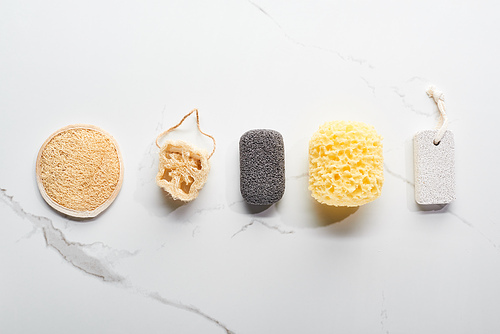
<point>182,169</point>
<point>345,164</point>
<point>79,170</point>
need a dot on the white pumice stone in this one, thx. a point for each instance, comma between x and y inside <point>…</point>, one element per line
<point>434,168</point>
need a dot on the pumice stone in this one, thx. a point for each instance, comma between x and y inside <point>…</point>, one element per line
<point>434,159</point>
<point>262,167</point>
<point>434,168</point>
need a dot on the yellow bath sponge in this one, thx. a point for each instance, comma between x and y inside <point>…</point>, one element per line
<point>345,164</point>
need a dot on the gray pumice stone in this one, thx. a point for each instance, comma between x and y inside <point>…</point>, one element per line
<point>262,166</point>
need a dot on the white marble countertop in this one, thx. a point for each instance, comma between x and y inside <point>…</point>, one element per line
<point>149,265</point>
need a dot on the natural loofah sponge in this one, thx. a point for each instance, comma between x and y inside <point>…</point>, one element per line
<point>345,164</point>
<point>183,169</point>
<point>79,170</point>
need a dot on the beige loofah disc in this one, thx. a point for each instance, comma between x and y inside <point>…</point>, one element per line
<point>79,170</point>
<point>183,169</point>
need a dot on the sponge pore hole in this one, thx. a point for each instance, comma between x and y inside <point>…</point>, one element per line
<point>198,163</point>
<point>357,192</point>
<point>186,186</point>
<point>166,175</point>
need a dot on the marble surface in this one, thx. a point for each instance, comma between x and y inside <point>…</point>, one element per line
<point>215,265</point>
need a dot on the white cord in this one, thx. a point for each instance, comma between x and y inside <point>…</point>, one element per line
<point>438,97</point>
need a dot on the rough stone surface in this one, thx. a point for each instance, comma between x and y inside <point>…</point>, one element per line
<point>262,166</point>
<point>434,168</point>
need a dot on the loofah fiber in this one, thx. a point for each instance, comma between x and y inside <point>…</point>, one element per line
<point>345,164</point>
<point>183,169</point>
<point>79,168</point>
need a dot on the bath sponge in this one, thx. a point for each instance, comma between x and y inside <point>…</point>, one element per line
<point>262,166</point>
<point>345,164</point>
<point>182,169</point>
<point>79,170</point>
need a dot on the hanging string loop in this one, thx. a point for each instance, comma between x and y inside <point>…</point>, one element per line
<point>438,97</point>
<point>176,126</point>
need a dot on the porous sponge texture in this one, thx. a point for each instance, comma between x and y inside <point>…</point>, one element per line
<point>79,168</point>
<point>346,165</point>
<point>182,170</point>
